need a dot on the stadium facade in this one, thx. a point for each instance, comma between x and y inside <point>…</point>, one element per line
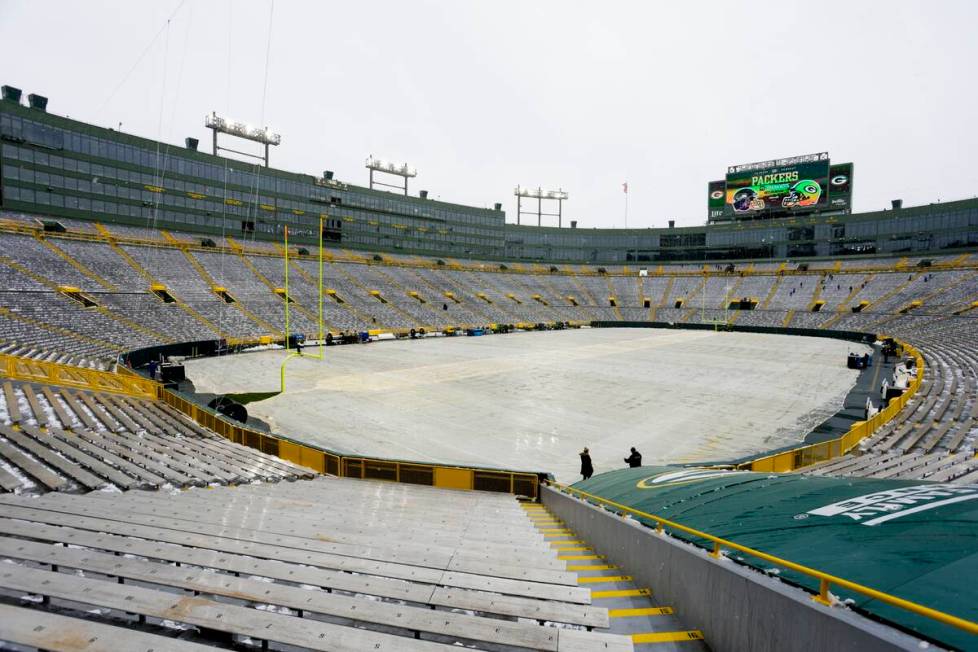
<point>62,167</point>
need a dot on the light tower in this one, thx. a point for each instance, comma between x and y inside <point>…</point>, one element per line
<point>540,194</point>
<point>402,170</point>
<point>221,125</point>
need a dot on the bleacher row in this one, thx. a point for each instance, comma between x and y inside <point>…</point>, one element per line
<point>55,439</point>
<point>325,564</point>
<point>934,438</point>
<point>127,315</point>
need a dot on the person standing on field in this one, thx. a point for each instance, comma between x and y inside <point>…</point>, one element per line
<point>587,469</point>
<point>635,459</point>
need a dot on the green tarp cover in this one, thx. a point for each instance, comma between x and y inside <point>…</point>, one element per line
<point>913,539</point>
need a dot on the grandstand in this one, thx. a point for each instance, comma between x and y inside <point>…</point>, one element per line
<point>136,516</point>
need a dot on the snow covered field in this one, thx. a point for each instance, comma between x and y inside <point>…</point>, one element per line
<point>533,400</point>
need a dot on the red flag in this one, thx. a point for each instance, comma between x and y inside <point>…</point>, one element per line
<point>624,187</point>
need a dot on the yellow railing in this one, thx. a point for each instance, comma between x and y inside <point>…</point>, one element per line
<point>323,461</point>
<point>797,458</point>
<point>825,580</point>
<point>52,373</point>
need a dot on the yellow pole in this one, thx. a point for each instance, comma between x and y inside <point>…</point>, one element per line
<point>286,288</point>
<point>321,333</point>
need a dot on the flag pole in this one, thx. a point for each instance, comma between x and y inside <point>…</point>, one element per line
<point>624,188</point>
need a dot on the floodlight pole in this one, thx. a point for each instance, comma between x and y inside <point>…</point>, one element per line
<point>218,124</point>
<point>403,171</point>
<point>540,194</point>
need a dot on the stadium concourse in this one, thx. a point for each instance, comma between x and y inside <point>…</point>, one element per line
<point>126,524</point>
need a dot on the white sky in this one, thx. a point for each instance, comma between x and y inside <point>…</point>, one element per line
<point>481,96</point>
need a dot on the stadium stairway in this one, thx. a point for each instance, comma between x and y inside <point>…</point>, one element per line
<point>632,610</point>
<point>323,564</point>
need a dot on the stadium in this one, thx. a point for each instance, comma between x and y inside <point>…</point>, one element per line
<point>244,407</point>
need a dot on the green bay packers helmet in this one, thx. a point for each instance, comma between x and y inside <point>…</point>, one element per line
<point>803,193</point>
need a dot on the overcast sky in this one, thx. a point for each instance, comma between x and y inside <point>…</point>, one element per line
<point>482,96</point>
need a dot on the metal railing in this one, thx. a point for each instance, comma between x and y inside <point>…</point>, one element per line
<point>825,580</point>
<point>96,380</point>
<point>802,456</point>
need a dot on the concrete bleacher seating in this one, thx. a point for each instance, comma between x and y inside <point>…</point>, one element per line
<point>299,564</point>
<point>55,439</point>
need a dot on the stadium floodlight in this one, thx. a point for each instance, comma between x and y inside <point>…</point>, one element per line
<point>402,170</point>
<point>540,194</point>
<point>242,130</point>
<point>791,160</point>
<point>221,125</point>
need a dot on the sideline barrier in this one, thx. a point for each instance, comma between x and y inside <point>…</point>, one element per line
<point>53,373</point>
<point>825,580</point>
<point>366,468</point>
<point>803,456</point>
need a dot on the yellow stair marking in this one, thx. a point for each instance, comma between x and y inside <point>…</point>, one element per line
<point>573,549</point>
<point>553,530</point>
<point>132,262</point>
<point>579,557</point>
<point>74,263</point>
<point>645,611</point>
<point>623,593</point>
<point>771,292</point>
<point>271,286</point>
<point>667,637</point>
<point>603,580</point>
<point>566,544</point>
<point>212,283</point>
<point>595,567</point>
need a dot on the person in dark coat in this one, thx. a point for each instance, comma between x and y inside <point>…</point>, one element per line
<point>587,469</point>
<point>635,459</point>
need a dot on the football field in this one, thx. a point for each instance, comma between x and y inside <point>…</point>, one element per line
<point>531,401</point>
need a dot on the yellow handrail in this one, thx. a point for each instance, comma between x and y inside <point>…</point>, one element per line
<point>825,579</point>
<point>96,380</point>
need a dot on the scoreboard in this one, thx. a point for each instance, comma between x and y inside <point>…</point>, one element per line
<point>781,187</point>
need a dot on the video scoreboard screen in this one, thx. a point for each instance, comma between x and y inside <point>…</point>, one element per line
<point>782,185</point>
<point>780,188</point>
